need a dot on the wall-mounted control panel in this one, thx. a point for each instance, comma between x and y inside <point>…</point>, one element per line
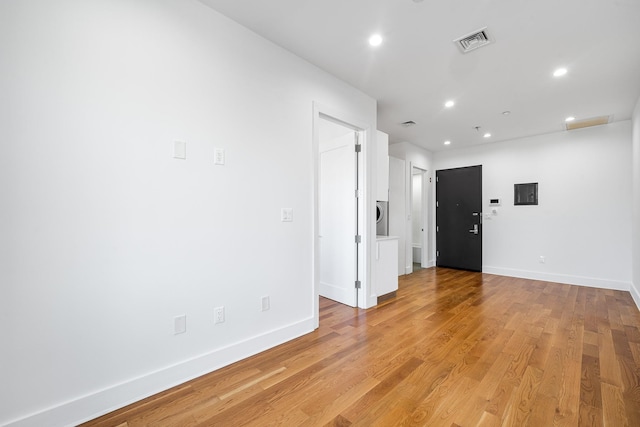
<point>494,202</point>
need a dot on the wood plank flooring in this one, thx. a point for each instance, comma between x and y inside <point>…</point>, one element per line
<point>452,348</point>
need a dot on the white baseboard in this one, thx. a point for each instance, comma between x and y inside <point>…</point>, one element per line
<point>93,405</point>
<point>633,290</point>
<point>560,278</point>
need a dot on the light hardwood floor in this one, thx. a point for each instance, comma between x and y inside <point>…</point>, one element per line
<point>452,348</point>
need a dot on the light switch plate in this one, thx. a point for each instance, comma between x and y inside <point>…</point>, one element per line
<point>179,324</point>
<point>218,156</point>
<point>179,150</point>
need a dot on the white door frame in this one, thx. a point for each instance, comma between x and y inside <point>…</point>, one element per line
<point>366,206</point>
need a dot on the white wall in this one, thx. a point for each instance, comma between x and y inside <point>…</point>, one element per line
<point>398,208</point>
<point>413,156</point>
<point>635,288</point>
<point>583,221</point>
<point>105,237</point>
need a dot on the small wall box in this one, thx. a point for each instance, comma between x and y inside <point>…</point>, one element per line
<point>525,194</point>
<point>494,202</point>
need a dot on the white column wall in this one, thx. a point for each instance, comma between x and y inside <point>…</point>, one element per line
<point>420,158</point>
<point>635,287</point>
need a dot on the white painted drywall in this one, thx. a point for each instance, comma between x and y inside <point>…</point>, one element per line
<point>397,208</point>
<point>635,288</point>
<point>582,224</point>
<point>105,237</point>
<point>414,156</point>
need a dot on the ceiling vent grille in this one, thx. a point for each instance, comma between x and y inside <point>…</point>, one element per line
<point>408,123</point>
<point>474,40</point>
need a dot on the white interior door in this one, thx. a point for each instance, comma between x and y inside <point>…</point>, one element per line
<point>338,219</point>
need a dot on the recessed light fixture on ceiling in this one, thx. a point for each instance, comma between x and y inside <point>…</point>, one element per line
<point>375,40</point>
<point>487,135</point>
<point>447,142</point>
<point>408,123</point>
<point>569,119</point>
<point>560,72</point>
<point>506,113</point>
<point>449,104</point>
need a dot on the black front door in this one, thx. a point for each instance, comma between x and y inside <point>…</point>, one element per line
<point>459,218</point>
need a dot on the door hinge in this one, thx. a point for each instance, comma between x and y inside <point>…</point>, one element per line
<point>358,284</point>
<point>358,239</point>
<point>358,193</point>
<point>437,179</point>
<point>437,204</point>
<point>437,228</point>
<point>358,148</point>
<point>437,253</point>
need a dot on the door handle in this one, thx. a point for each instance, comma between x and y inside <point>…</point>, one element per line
<point>475,229</point>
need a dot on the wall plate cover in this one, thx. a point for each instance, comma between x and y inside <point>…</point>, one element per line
<point>179,324</point>
<point>218,156</point>
<point>218,315</point>
<point>179,150</point>
<point>286,215</point>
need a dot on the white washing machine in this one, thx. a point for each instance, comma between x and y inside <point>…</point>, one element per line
<point>382,218</point>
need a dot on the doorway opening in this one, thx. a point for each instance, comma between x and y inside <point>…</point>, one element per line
<point>346,172</point>
<point>418,236</point>
<point>338,211</point>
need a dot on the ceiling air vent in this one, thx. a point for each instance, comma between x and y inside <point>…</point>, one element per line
<point>408,123</point>
<point>473,40</point>
<point>594,121</point>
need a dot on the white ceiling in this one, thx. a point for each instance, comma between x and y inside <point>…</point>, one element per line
<point>418,67</point>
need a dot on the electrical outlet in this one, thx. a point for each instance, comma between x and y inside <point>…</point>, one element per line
<point>180,324</point>
<point>542,259</point>
<point>218,315</point>
<point>266,303</point>
<point>286,215</point>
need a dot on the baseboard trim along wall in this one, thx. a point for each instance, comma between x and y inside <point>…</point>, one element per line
<point>560,278</point>
<point>101,402</point>
<point>635,295</point>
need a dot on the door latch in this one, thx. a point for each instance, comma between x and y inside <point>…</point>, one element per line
<point>475,229</point>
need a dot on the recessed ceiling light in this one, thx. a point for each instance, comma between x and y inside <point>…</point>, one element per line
<point>569,119</point>
<point>487,135</point>
<point>447,142</point>
<point>506,113</point>
<point>449,104</point>
<point>560,72</point>
<point>375,40</point>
